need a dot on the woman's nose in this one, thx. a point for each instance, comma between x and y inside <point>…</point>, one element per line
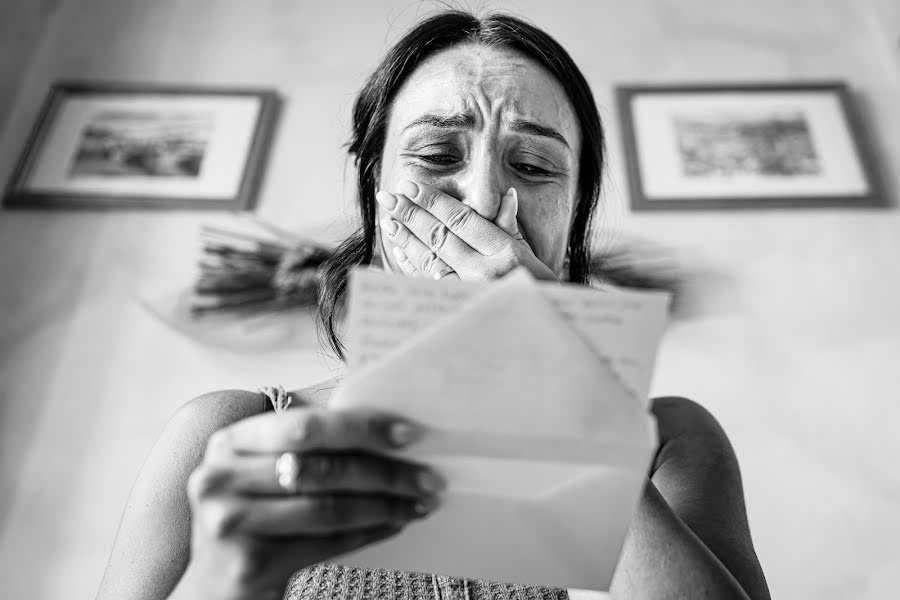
<point>481,188</point>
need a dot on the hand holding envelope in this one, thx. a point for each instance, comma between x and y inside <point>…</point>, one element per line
<point>533,396</point>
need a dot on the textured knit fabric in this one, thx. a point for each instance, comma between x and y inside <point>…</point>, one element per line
<point>339,582</point>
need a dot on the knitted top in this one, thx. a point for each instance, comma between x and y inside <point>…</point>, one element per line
<point>327,581</point>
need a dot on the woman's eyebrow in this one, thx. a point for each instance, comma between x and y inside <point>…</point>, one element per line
<point>467,121</point>
<point>532,128</point>
<point>458,121</point>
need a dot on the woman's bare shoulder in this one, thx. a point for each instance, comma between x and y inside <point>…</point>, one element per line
<point>215,410</point>
<point>234,403</point>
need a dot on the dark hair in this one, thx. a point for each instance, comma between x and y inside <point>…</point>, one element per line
<point>370,120</point>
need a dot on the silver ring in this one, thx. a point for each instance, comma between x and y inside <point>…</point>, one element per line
<point>287,470</point>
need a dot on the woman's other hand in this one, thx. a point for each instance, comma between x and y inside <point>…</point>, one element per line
<point>252,528</point>
<point>435,235</point>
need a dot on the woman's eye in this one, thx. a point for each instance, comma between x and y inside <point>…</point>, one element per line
<point>532,170</point>
<point>439,159</point>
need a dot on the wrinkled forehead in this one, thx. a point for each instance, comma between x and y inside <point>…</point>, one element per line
<point>488,83</point>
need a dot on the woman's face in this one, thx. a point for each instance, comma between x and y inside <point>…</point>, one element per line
<point>474,121</point>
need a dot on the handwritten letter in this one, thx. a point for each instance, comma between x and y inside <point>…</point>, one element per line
<point>621,326</point>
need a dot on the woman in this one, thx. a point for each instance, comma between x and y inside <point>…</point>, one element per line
<point>479,149</point>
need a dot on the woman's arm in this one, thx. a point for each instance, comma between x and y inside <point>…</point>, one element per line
<point>211,515</point>
<point>151,548</point>
<point>690,537</point>
<point>663,558</point>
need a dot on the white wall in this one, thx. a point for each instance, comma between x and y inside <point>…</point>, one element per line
<point>22,27</point>
<point>798,361</point>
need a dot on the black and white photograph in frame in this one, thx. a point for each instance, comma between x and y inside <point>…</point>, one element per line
<point>744,146</point>
<point>116,145</point>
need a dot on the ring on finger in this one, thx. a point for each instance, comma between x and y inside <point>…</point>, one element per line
<point>444,272</point>
<point>287,471</point>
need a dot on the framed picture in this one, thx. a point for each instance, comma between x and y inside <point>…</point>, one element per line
<point>114,145</point>
<point>745,146</point>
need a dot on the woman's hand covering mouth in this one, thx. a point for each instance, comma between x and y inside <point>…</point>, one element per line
<point>435,235</point>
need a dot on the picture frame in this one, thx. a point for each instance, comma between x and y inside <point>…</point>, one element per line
<point>111,145</point>
<point>745,146</point>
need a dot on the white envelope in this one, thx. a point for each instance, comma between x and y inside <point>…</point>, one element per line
<point>543,442</point>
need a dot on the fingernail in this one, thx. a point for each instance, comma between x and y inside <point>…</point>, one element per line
<point>512,194</point>
<point>403,433</point>
<point>408,188</point>
<point>386,199</point>
<point>389,226</point>
<point>423,507</point>
<point>429,482</point>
